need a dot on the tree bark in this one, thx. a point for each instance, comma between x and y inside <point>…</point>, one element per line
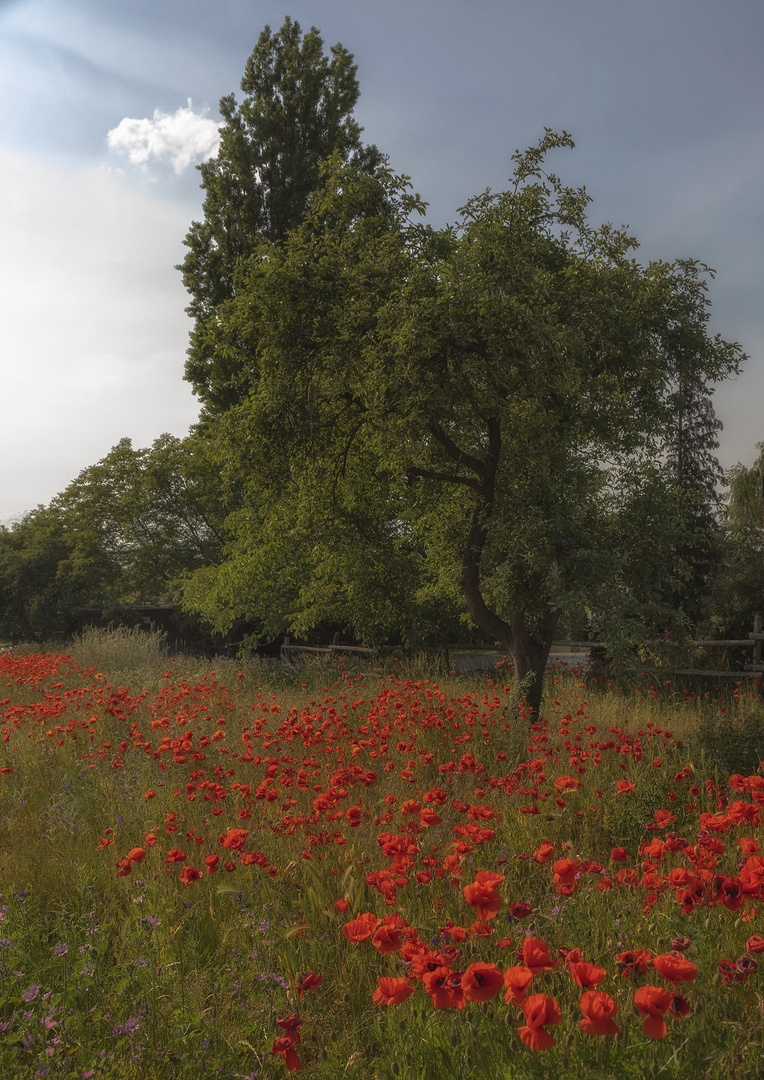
<point>529,652</point>
<point>529,656</point>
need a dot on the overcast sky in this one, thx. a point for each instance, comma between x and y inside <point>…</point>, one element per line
<point>106,106</point>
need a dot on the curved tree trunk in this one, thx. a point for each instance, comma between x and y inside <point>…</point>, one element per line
<point>529,652</point>
<point>529,656</point>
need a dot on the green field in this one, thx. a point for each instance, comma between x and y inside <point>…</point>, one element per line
<point>237,872</point>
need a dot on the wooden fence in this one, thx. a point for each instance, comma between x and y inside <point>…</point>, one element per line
<point>754,667</point>
<point>571,650</point>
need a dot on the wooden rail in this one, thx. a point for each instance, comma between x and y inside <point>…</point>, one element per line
<point>288,650</point>
<point>754,668</point>
<point>753,642</point>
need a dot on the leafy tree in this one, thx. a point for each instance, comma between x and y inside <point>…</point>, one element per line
<point>694,469</point>
<point>123,532</point>
<point>35,599</point>
<point>745,501</point>
<point>738,589</point>
<point>460,413</point>
<point>148,515</point>
<point>296,112</point>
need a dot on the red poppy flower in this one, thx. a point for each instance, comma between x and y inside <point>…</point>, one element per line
<point>680,1006</point>
<point>456,933</point>
<point>234,839</point>
<point>482,981</point>
<point>391,991</point>
<point>539,1010</point>
<point>387,939</point>
<point>308,981</point>
<point>633,961</point>
<point>484,899</point>
<point>189,874</point>
<point>544,852</point>
<point>520,910</point>
<point>136,854</point>
<point>283,1045</point>
<point>598,1009</point>
<point>653,1002</point>
<point>754,944</point>
<point>174,855</point>
<point>291,1026</point>
<point>565,871</point>
<point>361,928</point>
<point>424,960</point>
<point>439,986</point>
<point>731,894</point>
<point>481,929</point>
<point>517,979</point>
<point>586,975</point>
<point>623,787</point>
<point>569,956</point>
<point>536,955</point>
<point>675,967</point>
<point>619,854</point>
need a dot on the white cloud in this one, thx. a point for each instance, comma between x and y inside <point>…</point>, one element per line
<point>185,136</point>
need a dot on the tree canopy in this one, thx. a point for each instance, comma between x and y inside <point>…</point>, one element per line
<point>297,111</point>
<point>120,534</point>
<point>461,417</point>
<point>738,586</point>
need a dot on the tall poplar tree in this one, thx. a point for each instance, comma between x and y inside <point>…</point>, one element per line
<point>738,588</point>
<point>296,112</point>
<point>695,471</point>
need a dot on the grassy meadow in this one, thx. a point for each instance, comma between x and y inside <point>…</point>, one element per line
<point>228,870</point>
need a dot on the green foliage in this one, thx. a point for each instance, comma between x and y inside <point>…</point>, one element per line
<point>697,475</point>
<point>296,112</point>
<point>745,503</point>
<point>121,533</point>
<point>148,514</point>
<point>732,742</point>
<point>738,588</point>
<point>36,595</point>
<point>452,418</point>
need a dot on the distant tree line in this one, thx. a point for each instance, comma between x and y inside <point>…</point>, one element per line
<point>121,534</point>
<point>410,433</point>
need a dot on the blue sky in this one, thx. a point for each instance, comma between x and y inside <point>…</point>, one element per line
<point>664,98</point>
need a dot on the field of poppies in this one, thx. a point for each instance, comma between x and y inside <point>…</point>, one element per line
<point>235,873</point>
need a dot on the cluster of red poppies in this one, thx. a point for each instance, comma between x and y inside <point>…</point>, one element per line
<point>452,989</point>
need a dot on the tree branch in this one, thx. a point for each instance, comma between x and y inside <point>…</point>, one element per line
<point>461,457</point>
<point>448,478</point>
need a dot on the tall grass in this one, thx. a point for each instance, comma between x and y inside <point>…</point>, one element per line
<point>300,802</point>
<point>118,647</point>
